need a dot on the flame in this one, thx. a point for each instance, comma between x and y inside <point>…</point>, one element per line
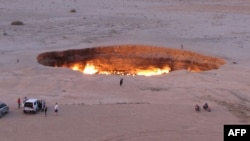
<point>76,67</point>
<point>153,71</point>
<point>90,69</point>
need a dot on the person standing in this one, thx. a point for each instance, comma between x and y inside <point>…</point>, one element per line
<point>56,109</point>
<point>19,103</point>
<point>45,111</point>
<point>121,81</point>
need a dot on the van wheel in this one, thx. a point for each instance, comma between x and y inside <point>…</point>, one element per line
<point>1,114</point>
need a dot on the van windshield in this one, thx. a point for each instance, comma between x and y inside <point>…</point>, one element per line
<point>27,104</point>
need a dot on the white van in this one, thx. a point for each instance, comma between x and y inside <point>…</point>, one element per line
<point>32,105</point>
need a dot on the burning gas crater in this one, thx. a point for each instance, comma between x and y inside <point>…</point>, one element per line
<point>129,60</point>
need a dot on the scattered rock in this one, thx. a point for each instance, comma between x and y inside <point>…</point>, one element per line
<point>73,11</point>
<point>17,23</point>
<point>5,34</point>
<point>113,31</point>
<point>234,62</point>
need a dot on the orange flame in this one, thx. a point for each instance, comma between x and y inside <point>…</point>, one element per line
<point>75,67</point>
<point>153,71</point>
<point>89,68</point>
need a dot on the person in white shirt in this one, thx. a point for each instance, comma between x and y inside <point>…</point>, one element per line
<point>56,108</point>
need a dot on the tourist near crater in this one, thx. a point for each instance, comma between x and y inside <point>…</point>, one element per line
<point>129,60</point>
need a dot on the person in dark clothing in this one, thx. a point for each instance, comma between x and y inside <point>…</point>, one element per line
<point>205,107</point>
<point>121,81</point>
<point>45,111</point>
<point>39,105</point>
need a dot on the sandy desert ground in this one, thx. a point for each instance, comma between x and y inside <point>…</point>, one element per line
<point>95,107</point>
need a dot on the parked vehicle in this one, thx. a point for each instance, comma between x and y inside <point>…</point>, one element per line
<point>32,105</point>
<point>4,109</point>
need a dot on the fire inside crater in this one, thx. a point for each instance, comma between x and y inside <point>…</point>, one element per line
<point>129,60</point>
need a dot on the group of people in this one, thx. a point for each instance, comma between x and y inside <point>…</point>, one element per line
<point>42,105</point>
<point>205,107</point>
